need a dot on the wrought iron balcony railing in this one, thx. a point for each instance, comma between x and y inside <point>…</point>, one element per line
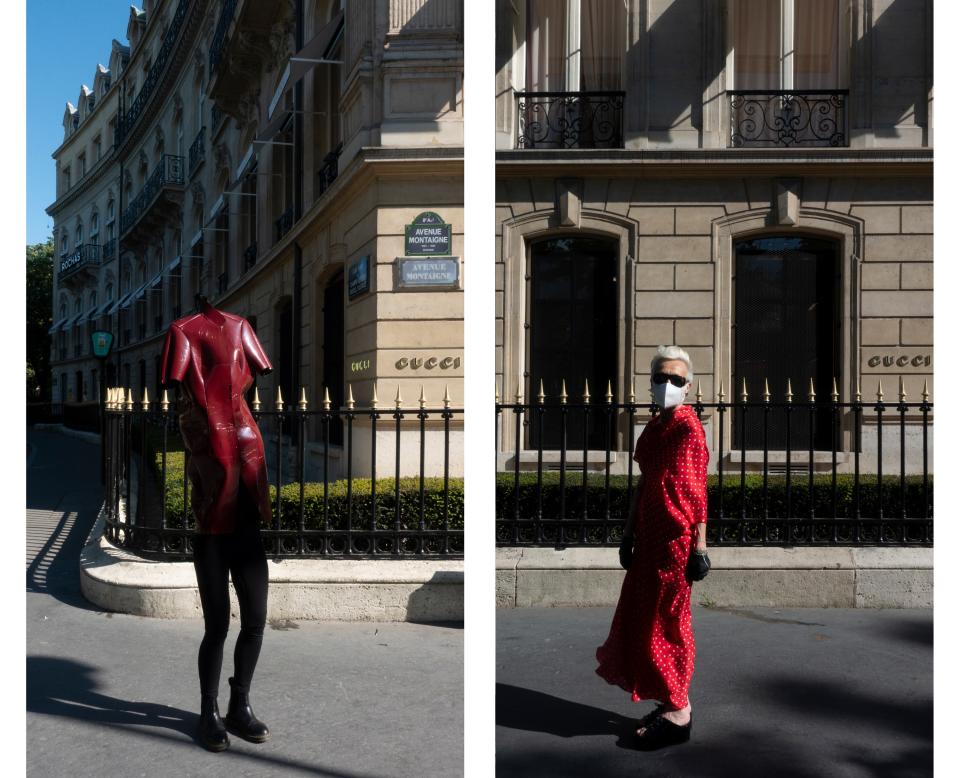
<point>129,118</point>
<point>109,250</point>
<point>282,225</point>
<point>761,118</point>
<point>168,172</point>
<point>329,169</point>
<point>570,120</point>
<point>798,496</point>
<point>84,256</point>
<point>220,33</point>
<point>197,152</point>
<point>250,256</point>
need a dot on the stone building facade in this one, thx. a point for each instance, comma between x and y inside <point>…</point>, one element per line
<point>269,155</point>
<point>749,179</point>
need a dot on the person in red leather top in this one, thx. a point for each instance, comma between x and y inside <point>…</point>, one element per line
<point>211,355</point>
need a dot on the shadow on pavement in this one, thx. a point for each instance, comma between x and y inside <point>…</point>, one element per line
<point>62,687</point>
<point>538,712</point>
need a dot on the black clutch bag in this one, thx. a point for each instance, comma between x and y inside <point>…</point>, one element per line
<point>698,565</point>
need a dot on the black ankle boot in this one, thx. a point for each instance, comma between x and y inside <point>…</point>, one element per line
<point>240,719</point>
<point>211,730</point>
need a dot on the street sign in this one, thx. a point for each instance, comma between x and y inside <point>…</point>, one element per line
<point>102,341</point>
<point>358,282</point>
<point>427,236</point>
<point>416,273</point>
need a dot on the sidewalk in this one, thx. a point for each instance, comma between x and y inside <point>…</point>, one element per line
<point>792,693</point>
<point>116,695</point>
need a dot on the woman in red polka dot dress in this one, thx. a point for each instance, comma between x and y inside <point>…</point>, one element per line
<point>650,649</point>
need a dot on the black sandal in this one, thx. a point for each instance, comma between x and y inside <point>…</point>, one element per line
<point>647,720</point>
<point>663,732</point>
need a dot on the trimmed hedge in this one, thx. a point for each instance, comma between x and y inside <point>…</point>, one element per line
<point>753,495</point>
<point>337,516</point>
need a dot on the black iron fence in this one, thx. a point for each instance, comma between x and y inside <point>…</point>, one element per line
<point>385,513</point>
<point>787,117</point>
<point>562,490</point>
<point>570,120</point>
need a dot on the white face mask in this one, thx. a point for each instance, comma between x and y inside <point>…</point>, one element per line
<point>666,395</point>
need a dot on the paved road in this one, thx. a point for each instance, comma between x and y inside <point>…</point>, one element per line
<point>116,695</point>
<point>799,693</point>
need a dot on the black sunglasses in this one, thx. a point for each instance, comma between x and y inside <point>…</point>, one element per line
<point>678,381</point>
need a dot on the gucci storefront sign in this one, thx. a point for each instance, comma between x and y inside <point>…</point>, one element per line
<point>898,360</point>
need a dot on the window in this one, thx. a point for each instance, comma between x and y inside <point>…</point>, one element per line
<point>63,244</point>
<point>83,165</point>
<point>573,329</point>
<point>110,210</point>
<point>94,226</point>
<point>575,46</point>
<point>78,236</point>
<point>786,325</point>
<point>806,55</point>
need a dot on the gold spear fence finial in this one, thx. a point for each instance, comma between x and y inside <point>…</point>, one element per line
<point>743,394</point>
<point>519,391</point>
<point>720,393</point>
<point>766,391</point>
<point>699,393</point>
<point>925,394</point>
<point>302,405</point>
<point>446,396</point>
<point>374,400</point>
<point>129,402</point>
<point>350,401</point>
<point>903,394</point>
<point>879,390</point>
<point>109,404</point>
<point>279,398</point>
<point>563,391</point>
<point>858,389</point>
<point>256,399</point>
<point>399,400</point>
<point>540,395</point>
<point>609,395</point>
<point>145,404</point>
<point>811,395</point>
<point>496,389</point>
<point>586,391</point>
<point>326,399</point>
<point>423,398</point>
<point>164,402</point>
<point>789,391</point>
<point>834,395</point>
<point>633,390</point>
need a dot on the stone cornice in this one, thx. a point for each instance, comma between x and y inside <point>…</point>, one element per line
<point>698,162</point>
<point>370,162</point>
<point>96,173</point>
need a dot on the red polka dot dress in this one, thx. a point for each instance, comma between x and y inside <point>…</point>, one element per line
<point>650,649</point>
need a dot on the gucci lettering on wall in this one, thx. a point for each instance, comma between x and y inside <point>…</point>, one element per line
<point>428,363</point>
<point>359,365</point>
<point>899,360</point>
<point>427,236</point>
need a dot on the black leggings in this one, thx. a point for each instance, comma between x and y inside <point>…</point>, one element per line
<point>241,555</point>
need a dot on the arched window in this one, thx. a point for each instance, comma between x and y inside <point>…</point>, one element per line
<point>573,327</point>
<point>786,324</point>
<point>94,225</point>
<point>78,236</point>
<point>63,243</point>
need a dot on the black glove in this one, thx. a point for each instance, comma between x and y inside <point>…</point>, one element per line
<point>626,552</point>
<point>698,565</point>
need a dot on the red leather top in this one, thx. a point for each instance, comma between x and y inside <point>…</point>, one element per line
<point>212,354</point>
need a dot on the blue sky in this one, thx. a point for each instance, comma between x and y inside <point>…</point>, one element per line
<point>65,41</point>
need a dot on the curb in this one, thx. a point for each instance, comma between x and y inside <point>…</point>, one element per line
<point>802,577</point>
<point>300,589</point>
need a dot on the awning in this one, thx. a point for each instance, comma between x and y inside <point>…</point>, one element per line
<point>101,310</point>
<point>141,291</point>
<point>317,51</point>
<point>174,263</point>
<point>71,321</point>
<point>87,315</point>
<point>121,302</point>
<point>56,325</point>
<point>156,280</point>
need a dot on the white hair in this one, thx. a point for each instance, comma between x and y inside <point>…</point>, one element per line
<point>665,354</point>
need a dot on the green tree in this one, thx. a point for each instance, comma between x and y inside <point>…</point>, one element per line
<point>39,313</point>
